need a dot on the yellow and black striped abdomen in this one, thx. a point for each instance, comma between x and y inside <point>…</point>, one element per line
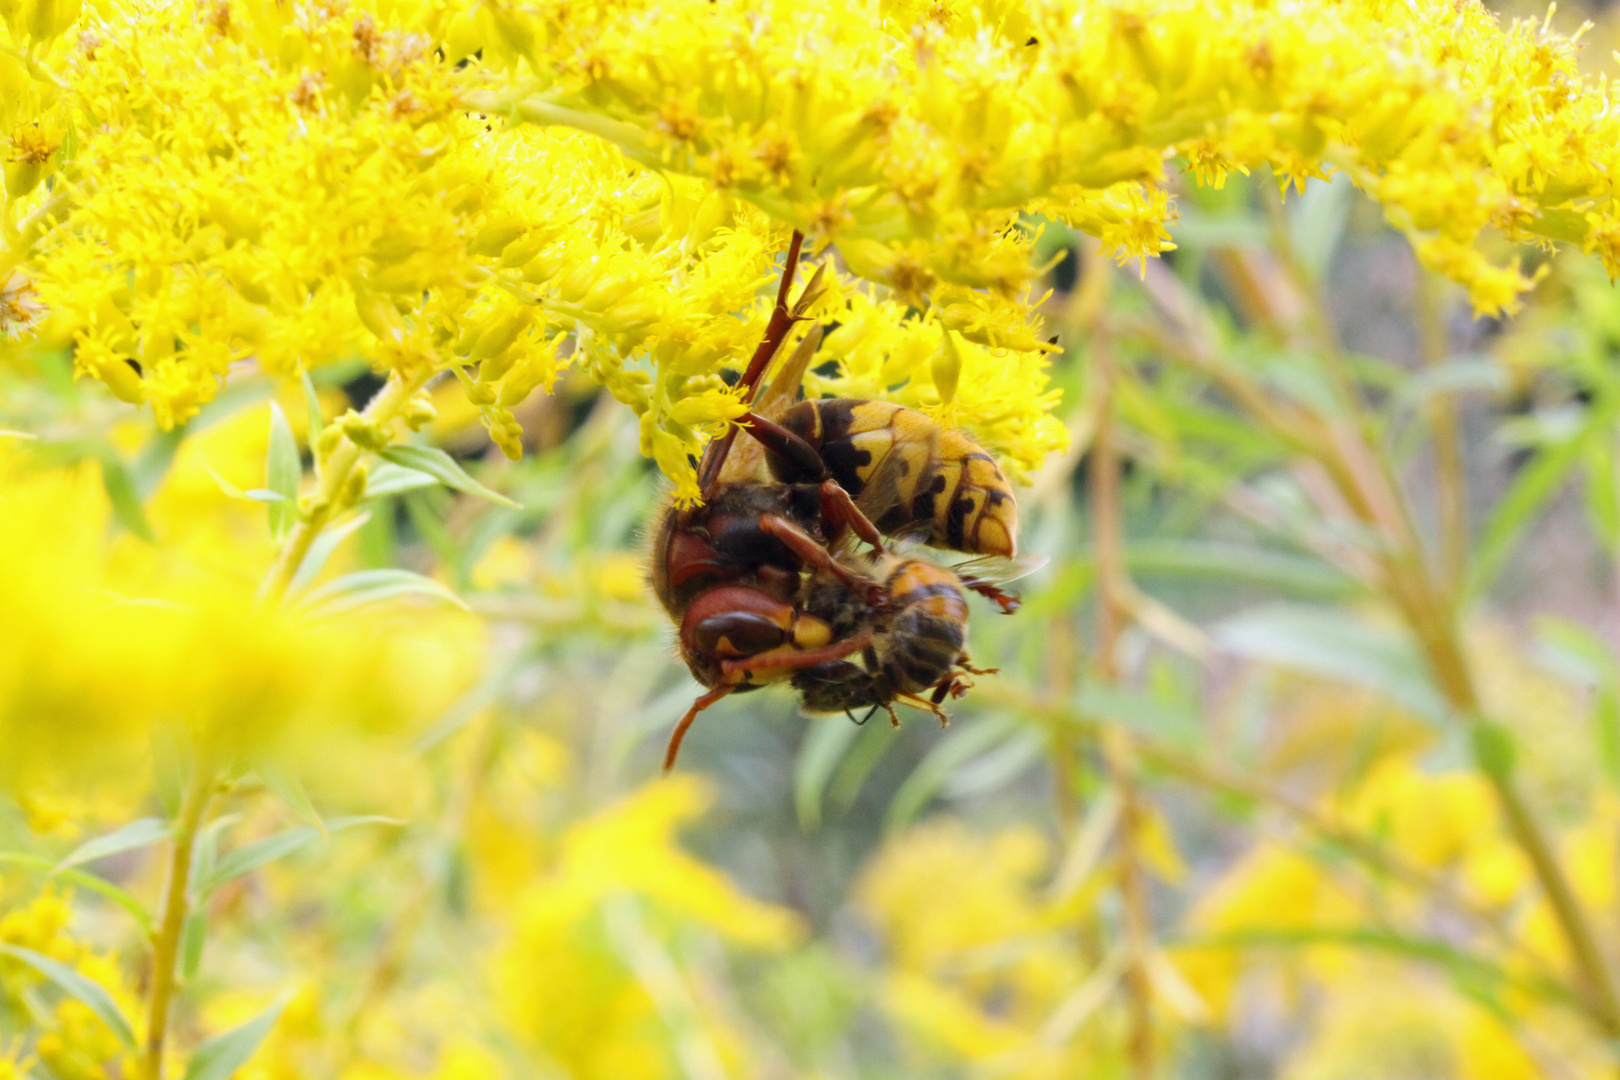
<point>904,471</point>
<point>929,629</point>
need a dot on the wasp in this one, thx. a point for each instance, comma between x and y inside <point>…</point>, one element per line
<point>918,636</point>
<point>733,572</point>
<point>729,571</point>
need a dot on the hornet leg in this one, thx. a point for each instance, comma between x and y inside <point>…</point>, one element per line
<point>686,722</point>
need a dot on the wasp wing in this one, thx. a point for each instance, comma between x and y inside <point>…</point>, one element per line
<point>887,497</point>
<point>996,569</point>
<point>747,458</point>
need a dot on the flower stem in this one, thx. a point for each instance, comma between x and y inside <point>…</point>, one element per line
<point>1451,487</point>
<point>380,411</point>
<point>1113,616</point>
<point>176,905</point>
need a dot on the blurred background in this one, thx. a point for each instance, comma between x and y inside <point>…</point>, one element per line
<point>1218,815</point>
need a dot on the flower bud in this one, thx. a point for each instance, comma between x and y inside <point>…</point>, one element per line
<point>420,413</point>
<point>362,432</point>
<point>354,488</point>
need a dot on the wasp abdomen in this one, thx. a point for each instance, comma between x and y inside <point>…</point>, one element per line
<point>902,468</point>
<point>929,631</point>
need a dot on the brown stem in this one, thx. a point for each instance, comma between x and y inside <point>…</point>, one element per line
<point>1113,615</point>
<point>176,904</point>
<point>1366,482</point>
<point>1451,478</point>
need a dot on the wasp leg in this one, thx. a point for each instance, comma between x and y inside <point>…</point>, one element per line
<point>838,510</point>
<point>971,670</point>
<point>795,451</point>
<point>894,721</point>
<point>862,721</point>
<point>798,658</point>
<point>815,556</point>
<point>686,722</point>
<point>1008,602</point>
<point>923,703</point>
<point>776,331</point>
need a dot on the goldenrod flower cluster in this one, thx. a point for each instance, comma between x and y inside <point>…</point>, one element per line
<point>914,134</point>
<point>189,186</point>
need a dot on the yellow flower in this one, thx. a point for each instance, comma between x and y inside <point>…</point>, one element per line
<point>123,640</point>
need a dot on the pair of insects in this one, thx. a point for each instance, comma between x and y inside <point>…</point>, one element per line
<point>766,579</point>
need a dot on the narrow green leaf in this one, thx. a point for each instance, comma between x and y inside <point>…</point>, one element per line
<point>1336,644</point>
<point>220,1057</point>
<point>997,767</point>
<point>81,879</point>
<point>193,935</point>
<point>958,746</point>
<point>824,747</point>
<point>1602,482</point>
<point>369,586</point>
<point>1318,221</point>
<point>1138,710</point>
<point>246,859</point>
<point>290,787</point>
<point>231,490</point>
<point>126,504</point>
<point>321,550</point>
<point>86,991</point>
<point>281,472</point>
<point>136,834</point>
<point>1535,484</point>
<point>443,467</point>
<point>390,479</point>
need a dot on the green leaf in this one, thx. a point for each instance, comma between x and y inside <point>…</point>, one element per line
<point>390,479</point>
<point>193,935</point>
<point>84,880</point>
<point>1138,711</point>
<point>1246,563</point>
<point>997,767</point>
<point>220,1057</point>
<point>321,550</point>
<point>1337,645</point>
<point>1318,221</point>
<point>443,467</point>
<point>136,834</point>
<point>824,747</point>
<point>958,746</point>
<point>281,472</point>
<point>369,586</point>
<point>1535,484</point>
<point>76,986</point>
<point>246,859</point>
<point>1603,493</point>
<point>126,504</point>
<point>290,787</point>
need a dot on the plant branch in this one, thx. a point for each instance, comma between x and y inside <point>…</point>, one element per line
<point>1113,616</point>
<point>334,473</point>
<point>1450,476</point>
<point>176,905</point>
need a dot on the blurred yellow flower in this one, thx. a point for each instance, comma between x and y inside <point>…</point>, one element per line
<point>107,642</point>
